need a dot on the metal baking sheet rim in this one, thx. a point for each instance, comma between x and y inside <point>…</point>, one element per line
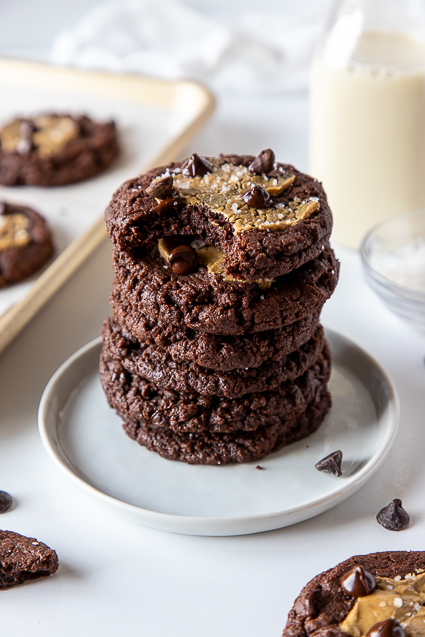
<point>152,91</point>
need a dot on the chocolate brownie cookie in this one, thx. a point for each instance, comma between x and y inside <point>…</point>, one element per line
<point>264,218</point>
<point>156,407</point>
<point>147,291</point>
<point>240,446</point>
<point>53,150</point>
<point>359,595</point>
<point>24,558</point>
<point>224,353</point>
<point>156,365</point>
<point>25,243</point>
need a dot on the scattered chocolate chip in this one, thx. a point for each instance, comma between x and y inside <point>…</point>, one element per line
<point>263,163</point>
<point>183,259</point>
<point>387,628</point>
<point>393,517</point>
<point>358,582</point>
<point>196,166</point>
<point>256,197</point>
<point>331,464</point>
<point>313,603</point>
<point>259,467</point>
<point>5,502</point>
<point>168,204</point>
<point>161,188</point>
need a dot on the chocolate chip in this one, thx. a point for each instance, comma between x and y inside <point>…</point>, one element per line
<point>387,628</point>
<point>196,166</point>
<point>168,204</point>
<point>358,582</point>
<point>331,464</point>
<point>183,259</point>
<point>161,188</point>
<point>263,163</point>
<point>256,197</point>
<point>259,467</point>
<point>313,603</point>
<point>5,502</point>
<point>393,517</point>
<point>173,242</point>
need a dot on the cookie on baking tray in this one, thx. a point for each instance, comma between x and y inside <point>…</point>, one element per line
<point>25,243</point>
<point>375,595</point>
<point>55,149</point>
<point>24,558</point>
<point>263,218</point>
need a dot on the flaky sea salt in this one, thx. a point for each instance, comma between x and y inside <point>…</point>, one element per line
<point>404,265</point>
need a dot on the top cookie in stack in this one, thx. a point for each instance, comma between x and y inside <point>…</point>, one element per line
<point>215,353</point>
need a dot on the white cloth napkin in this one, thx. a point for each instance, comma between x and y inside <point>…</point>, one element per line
<point>167,39</point>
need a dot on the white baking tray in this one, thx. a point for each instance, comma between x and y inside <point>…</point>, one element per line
<point>156,120</point>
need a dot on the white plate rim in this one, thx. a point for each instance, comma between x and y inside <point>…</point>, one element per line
<point>224,526</point>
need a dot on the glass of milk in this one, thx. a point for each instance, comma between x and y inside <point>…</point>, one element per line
<point>367,124</point>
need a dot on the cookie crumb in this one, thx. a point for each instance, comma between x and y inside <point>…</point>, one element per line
<point>259,467</point>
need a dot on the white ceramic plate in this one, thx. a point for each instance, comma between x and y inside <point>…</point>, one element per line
<point>84,438</point>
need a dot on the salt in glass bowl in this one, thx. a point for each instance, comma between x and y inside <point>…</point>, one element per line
<point>393,256</point>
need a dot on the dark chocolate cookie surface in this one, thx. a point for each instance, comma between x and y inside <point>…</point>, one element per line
<point>323,604</point>
<point>25,243</point>
<point>147,292</point>
<point>53,150</point>
<point>224,353</point>
<point>156,407</point>
<point>240,446</point>
<point>24,558</point>
<point>157,365</point>
<point>265,221</point>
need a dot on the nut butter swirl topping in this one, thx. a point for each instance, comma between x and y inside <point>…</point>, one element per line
<point>209,256</point>
<point>401,600</point>
<point>47,133</point>
<point>232,191</point>
<point>14,229</point>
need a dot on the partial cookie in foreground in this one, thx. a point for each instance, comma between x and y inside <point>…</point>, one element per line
<point>145,290</point>
<point>24,558</point>
<point>264,218</point>
<point>383,586</point>
<point>55,149</point>
<point>239,446</point>
<point>25,243</point>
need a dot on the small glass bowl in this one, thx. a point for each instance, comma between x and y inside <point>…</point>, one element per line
<point>393,256</point>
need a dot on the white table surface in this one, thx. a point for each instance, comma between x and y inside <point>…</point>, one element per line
<point>118,578</point>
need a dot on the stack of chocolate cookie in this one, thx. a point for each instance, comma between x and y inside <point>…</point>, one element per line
<point>214,352</point>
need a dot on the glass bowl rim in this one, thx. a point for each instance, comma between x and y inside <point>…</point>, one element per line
<point>414,293</point>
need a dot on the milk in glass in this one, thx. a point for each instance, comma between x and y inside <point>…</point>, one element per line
<point>367,127</point>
